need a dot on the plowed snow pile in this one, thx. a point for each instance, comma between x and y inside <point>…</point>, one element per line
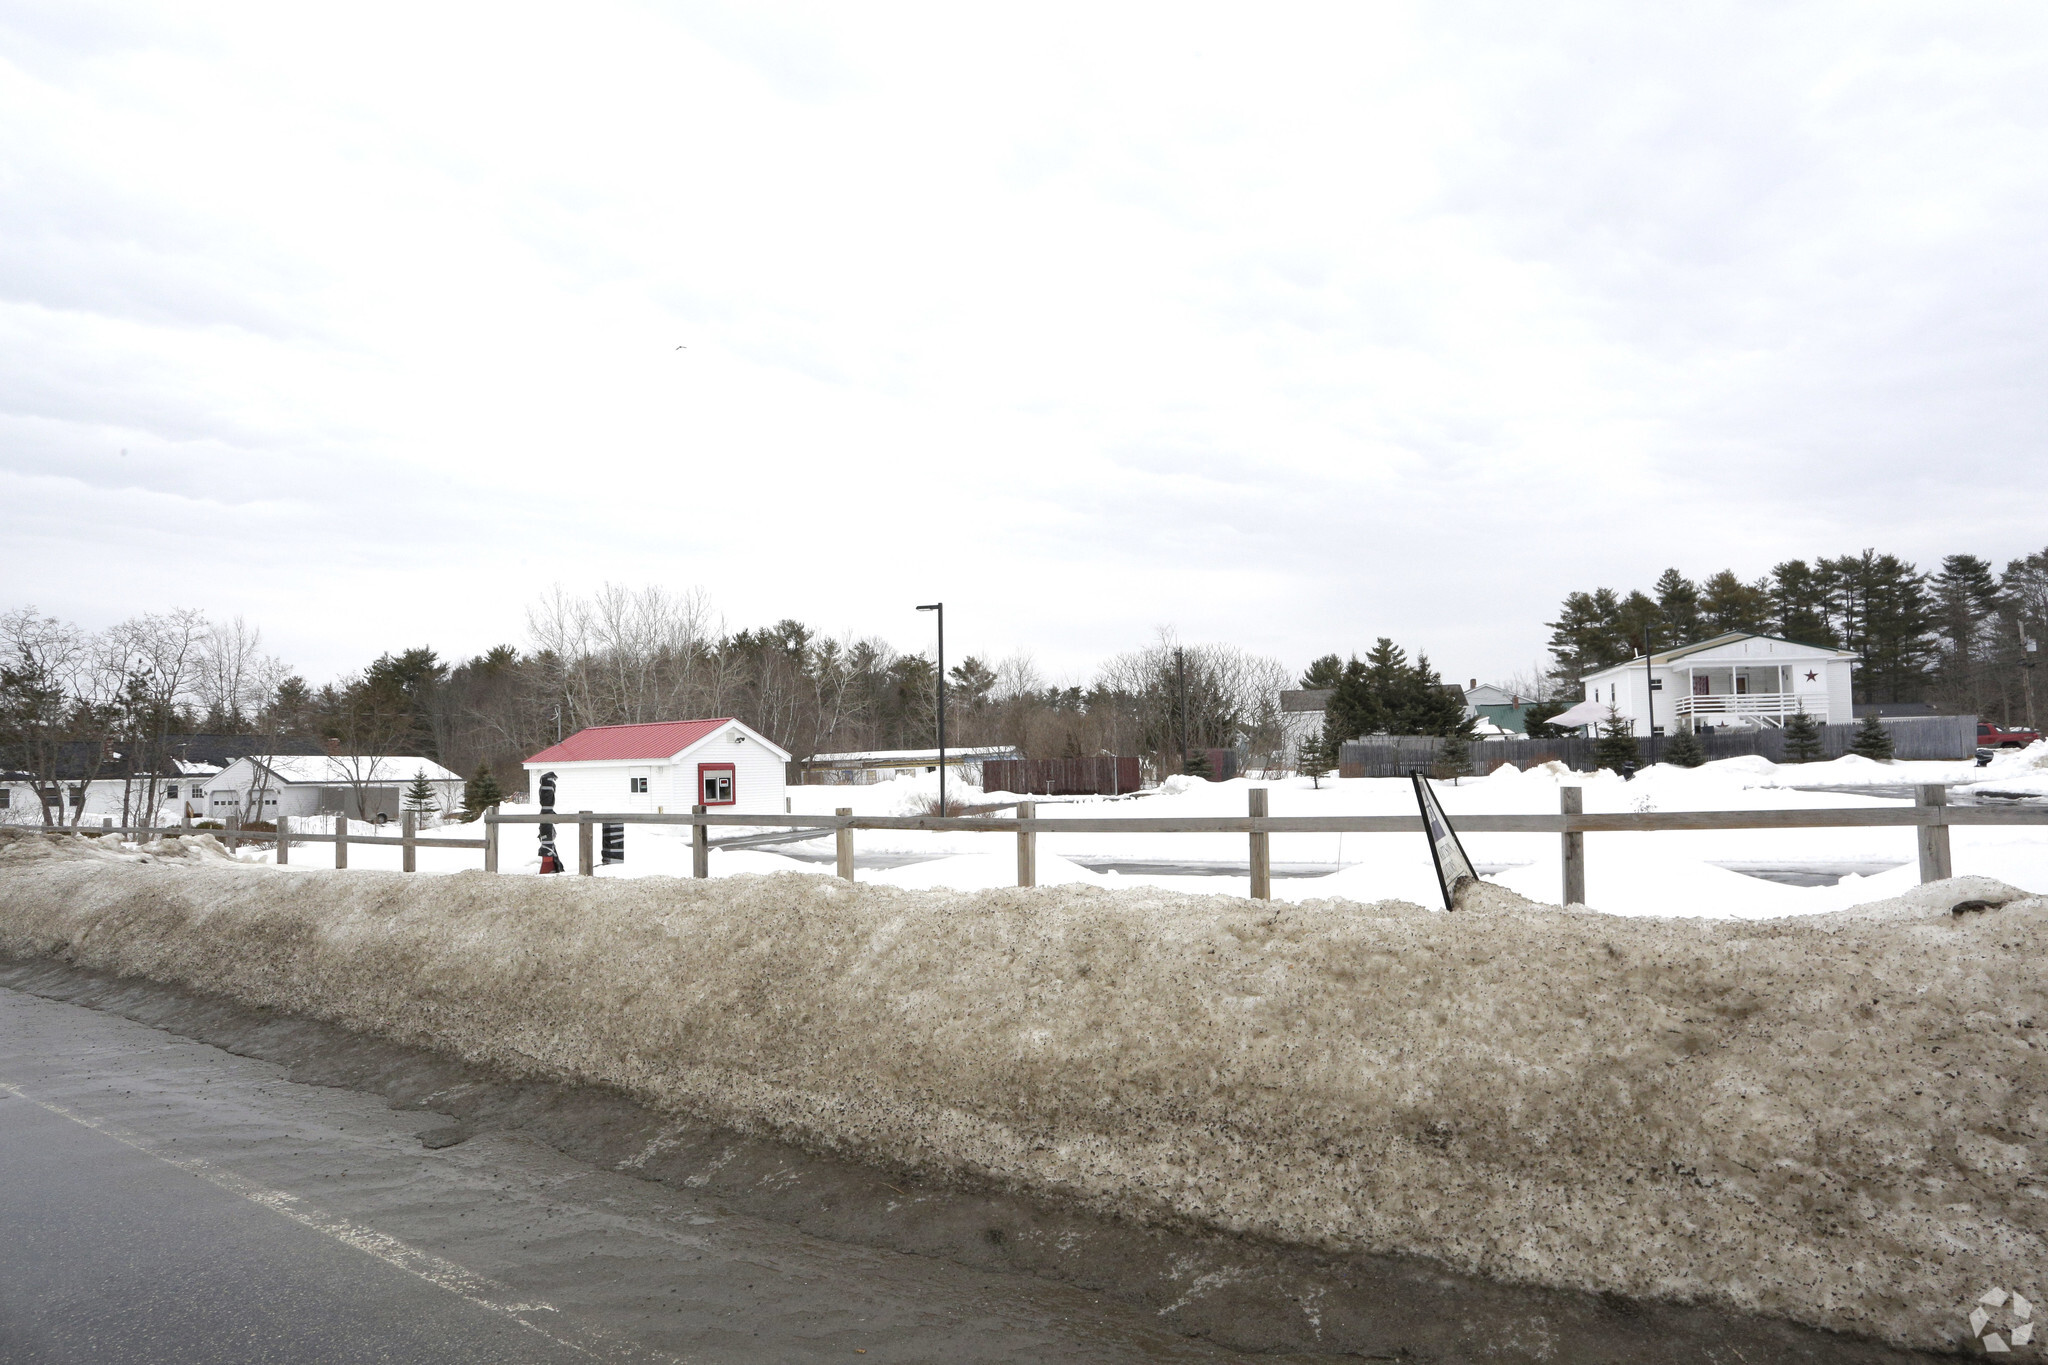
<point>1833,1118</point>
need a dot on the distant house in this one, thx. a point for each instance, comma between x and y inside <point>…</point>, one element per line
<point>665,766</point>
<point>1740,680</point>
<point>1497,707</point>
<point>365,786</point>
<point>96,783</point>
<point>886,765</point>
<point>1301,715</point>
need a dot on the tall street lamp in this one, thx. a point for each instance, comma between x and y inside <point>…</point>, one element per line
<point>940,608</point>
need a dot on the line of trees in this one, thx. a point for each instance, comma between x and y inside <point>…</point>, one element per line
<point>75,702</point>
<point>1955,637</point>
<point>1385,694</point>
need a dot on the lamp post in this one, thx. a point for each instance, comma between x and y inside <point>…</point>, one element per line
<point>940,608</point>
<point>1650,694</point>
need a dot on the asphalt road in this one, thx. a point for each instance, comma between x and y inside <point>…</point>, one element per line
<point>163,1201</point>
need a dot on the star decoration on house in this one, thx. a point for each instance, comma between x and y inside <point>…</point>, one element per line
<point>1812,676</point>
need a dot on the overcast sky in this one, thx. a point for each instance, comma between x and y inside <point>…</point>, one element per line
<point>1290,326</point>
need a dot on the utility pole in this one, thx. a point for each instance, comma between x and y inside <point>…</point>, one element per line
<point>940,608</point>
<point>2027,649</point>
<point>1650,693</point>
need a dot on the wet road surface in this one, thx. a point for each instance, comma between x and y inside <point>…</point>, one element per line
<point>164,1201</point>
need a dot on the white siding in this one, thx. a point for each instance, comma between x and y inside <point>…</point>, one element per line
<point>759,780</point>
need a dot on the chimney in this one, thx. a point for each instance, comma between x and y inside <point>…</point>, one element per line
<point>1475,685</point>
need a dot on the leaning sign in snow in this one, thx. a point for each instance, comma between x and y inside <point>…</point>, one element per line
<point>1834,1118</point>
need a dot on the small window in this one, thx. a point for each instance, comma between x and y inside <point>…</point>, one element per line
<point>1656,684</point>
<point>77,800</point>
<point>1656,729</point>
<point>171,791</point>
<point>715,783</point>
<point>639,785</point>
<point>6,797</point>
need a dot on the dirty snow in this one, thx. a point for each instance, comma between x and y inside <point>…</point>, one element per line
<point>1830,1117</point>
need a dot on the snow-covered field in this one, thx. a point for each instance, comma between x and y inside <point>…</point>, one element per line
<point>1675,873</point>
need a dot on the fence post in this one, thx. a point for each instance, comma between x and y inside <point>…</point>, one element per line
<point>284,842</point>
<point>585,864</point>
<point>185,816</point>
<point>1572,801</point>
<point>408,829</point>
<point>1935,863</point>
<point>843,841</point>
<point>700,847</point>
<point>1027,846</point>
<point>234,827</point>
<point>491,839</point>
<point>106,822</point>
<point>341,837</point>
<point>1262,849</point>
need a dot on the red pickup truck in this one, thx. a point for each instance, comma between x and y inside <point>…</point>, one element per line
<point>1991,736</point>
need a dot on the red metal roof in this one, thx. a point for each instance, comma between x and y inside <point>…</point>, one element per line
<point>662,739</point>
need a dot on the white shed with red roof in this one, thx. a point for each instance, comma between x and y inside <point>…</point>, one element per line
<point>669,766</point>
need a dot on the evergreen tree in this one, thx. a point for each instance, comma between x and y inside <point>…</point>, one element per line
<point>1454,757</point>
<point>1678,599</point>
<point>1873,740</point>
<point>1617,743</point>
<point>1315,756</point>
<point>1323,673</point>
<point>1729,604</point>
<point>1198,764</point>
<point>1799,602</point>
<point>480,793</point>
<point>1802,738</point>
<point>1355,708</point>
<point>419,796</point>
<point>1684,749</point>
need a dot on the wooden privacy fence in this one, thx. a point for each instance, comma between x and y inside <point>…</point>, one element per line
<point>1099,775</point>
<point>1931,817</point>
<point>1916,737</point>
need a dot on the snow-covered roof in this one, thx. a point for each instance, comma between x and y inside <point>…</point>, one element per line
<point>352,769</point>
<point>662,739</point>
<point>909,756</point>
<point>1732,647</point>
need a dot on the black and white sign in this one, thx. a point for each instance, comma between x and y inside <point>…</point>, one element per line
<point>1453,868</point>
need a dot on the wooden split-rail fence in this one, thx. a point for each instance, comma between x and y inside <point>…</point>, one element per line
<point>1931,817</point>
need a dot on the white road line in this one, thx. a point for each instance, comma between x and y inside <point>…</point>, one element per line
<point>443,1274</point>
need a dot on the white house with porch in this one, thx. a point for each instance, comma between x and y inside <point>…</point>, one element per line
<point>1742,680</point>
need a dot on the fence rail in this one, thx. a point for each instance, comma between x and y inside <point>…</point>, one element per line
<point>1931,817</point>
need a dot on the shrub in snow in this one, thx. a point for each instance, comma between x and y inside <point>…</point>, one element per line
<point>1684,749</point>
<point>1803,739</point>
<point>1872,740</point>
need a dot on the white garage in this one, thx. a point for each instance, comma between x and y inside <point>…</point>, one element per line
<point>666,766</point>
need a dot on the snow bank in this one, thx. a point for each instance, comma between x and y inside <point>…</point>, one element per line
<point>1833,1118</point>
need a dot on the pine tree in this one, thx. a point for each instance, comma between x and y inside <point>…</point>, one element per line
<point>481,792</point>
<point>420,795</point>
<point>1324,672</point>
<point>1454,757</point>
<point>1684,749</point>
<point>1315,756</point>
<point>1873,740</point>
<point>1356,708</point>
<point>1198,764</point>
<point>1616,746</point>
<point>1802,738</point>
